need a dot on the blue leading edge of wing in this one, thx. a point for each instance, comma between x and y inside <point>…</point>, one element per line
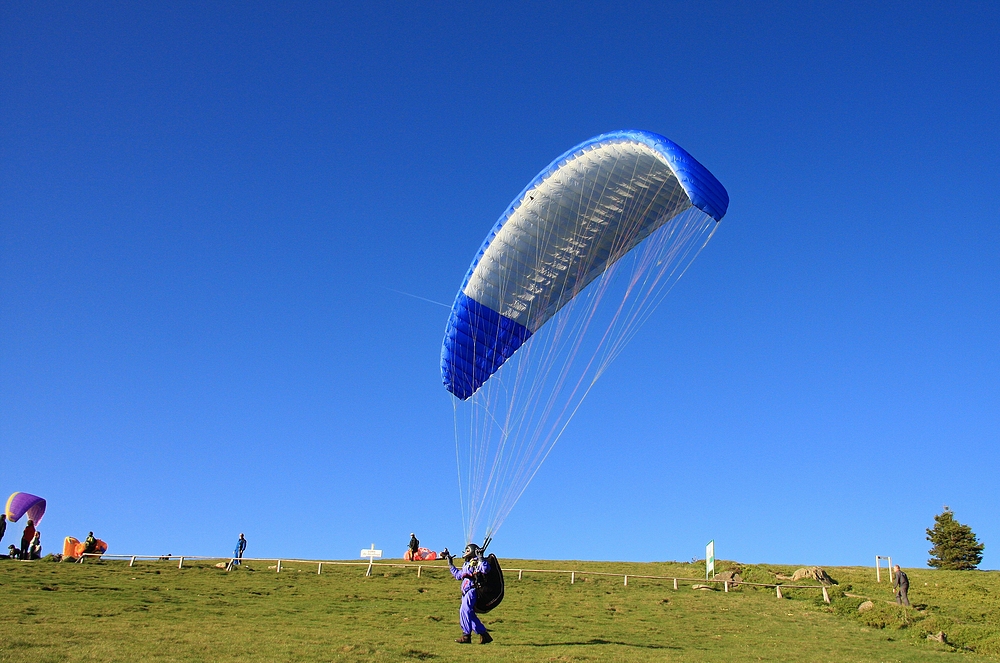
<point>705,191</point>
<point>478,340</point>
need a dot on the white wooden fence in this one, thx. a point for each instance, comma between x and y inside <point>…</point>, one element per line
<point>571,573</point>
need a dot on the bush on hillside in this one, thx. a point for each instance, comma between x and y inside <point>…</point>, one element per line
<point>758,574</point>
<point>888,615</point>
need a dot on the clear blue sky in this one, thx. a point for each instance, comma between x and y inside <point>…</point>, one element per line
<point>203,210</point>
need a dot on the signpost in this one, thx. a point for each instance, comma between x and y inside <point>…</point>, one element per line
<point>372,555</point>
<point>709,559</point>
<point>878,567</point>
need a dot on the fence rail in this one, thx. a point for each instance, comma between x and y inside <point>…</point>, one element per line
<point>572,573</point>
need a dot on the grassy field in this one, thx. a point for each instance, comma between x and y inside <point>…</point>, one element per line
<point>109,612</point>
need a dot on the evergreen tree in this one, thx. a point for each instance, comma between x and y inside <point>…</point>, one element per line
<point>955,545</point>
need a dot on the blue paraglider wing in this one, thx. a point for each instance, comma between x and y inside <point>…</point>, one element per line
<point>587,209</point>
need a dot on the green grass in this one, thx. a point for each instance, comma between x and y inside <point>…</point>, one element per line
<point>110,612</point>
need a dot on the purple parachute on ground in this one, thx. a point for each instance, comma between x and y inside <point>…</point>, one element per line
<point>19,504</point>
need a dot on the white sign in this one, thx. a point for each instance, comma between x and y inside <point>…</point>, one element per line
<point>709,559</point>
<point>372,555</point>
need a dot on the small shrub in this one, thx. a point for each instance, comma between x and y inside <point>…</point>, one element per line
<point>846,605</point>
<point>758,574</point>
<point>885,615</point>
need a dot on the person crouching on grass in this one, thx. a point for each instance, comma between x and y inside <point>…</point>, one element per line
<point>467,619</point>
<point>35,547</point>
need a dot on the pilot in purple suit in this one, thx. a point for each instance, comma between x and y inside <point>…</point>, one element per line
<point>467,619</point>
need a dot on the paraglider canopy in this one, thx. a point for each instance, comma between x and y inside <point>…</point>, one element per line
<point>567,275</point>
<point>19,504</point>
<point>574,221</point>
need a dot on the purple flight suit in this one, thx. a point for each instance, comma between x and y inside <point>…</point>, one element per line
<point>467,618</point>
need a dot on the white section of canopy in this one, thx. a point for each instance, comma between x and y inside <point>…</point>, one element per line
<point>571,226</point>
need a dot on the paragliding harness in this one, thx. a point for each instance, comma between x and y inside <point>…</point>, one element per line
<point>489,585</point>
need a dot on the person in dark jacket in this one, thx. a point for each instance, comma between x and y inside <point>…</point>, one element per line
<point>3,525</point>
<point>902,585</point>
<point>90,544</point>
<point>26,537</point>
<point>414,546</point>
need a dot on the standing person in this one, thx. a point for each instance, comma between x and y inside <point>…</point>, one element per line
<point>3,525</point>
<point>414,546</point>
<point>467,619</point>
<point>26,537</point>
<point>902,585</point>
<point>241,545</point>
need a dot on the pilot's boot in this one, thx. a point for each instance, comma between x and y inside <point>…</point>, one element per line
<point>465,639</point>
<point>485,638</point>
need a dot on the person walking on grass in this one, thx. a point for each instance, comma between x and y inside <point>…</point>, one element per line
<point>902,585</point>
<point>26,537</point>
<point>241,545</point>
<point>467,619</point>
<point>3,525</point>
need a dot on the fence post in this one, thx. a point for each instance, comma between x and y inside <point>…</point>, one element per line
<point>891,579</point>
<point>279,567</point>
<point>777,590</point>
<point>826,595</point>
<point>131,562</point>
<point>725,585</point>
<point>626,581</point>
<point>319,569</point>
<point>572,577</point>
<point>878,568</point>
<point>675,583</point>
<point>519,572</point>
<point>180,564</point>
